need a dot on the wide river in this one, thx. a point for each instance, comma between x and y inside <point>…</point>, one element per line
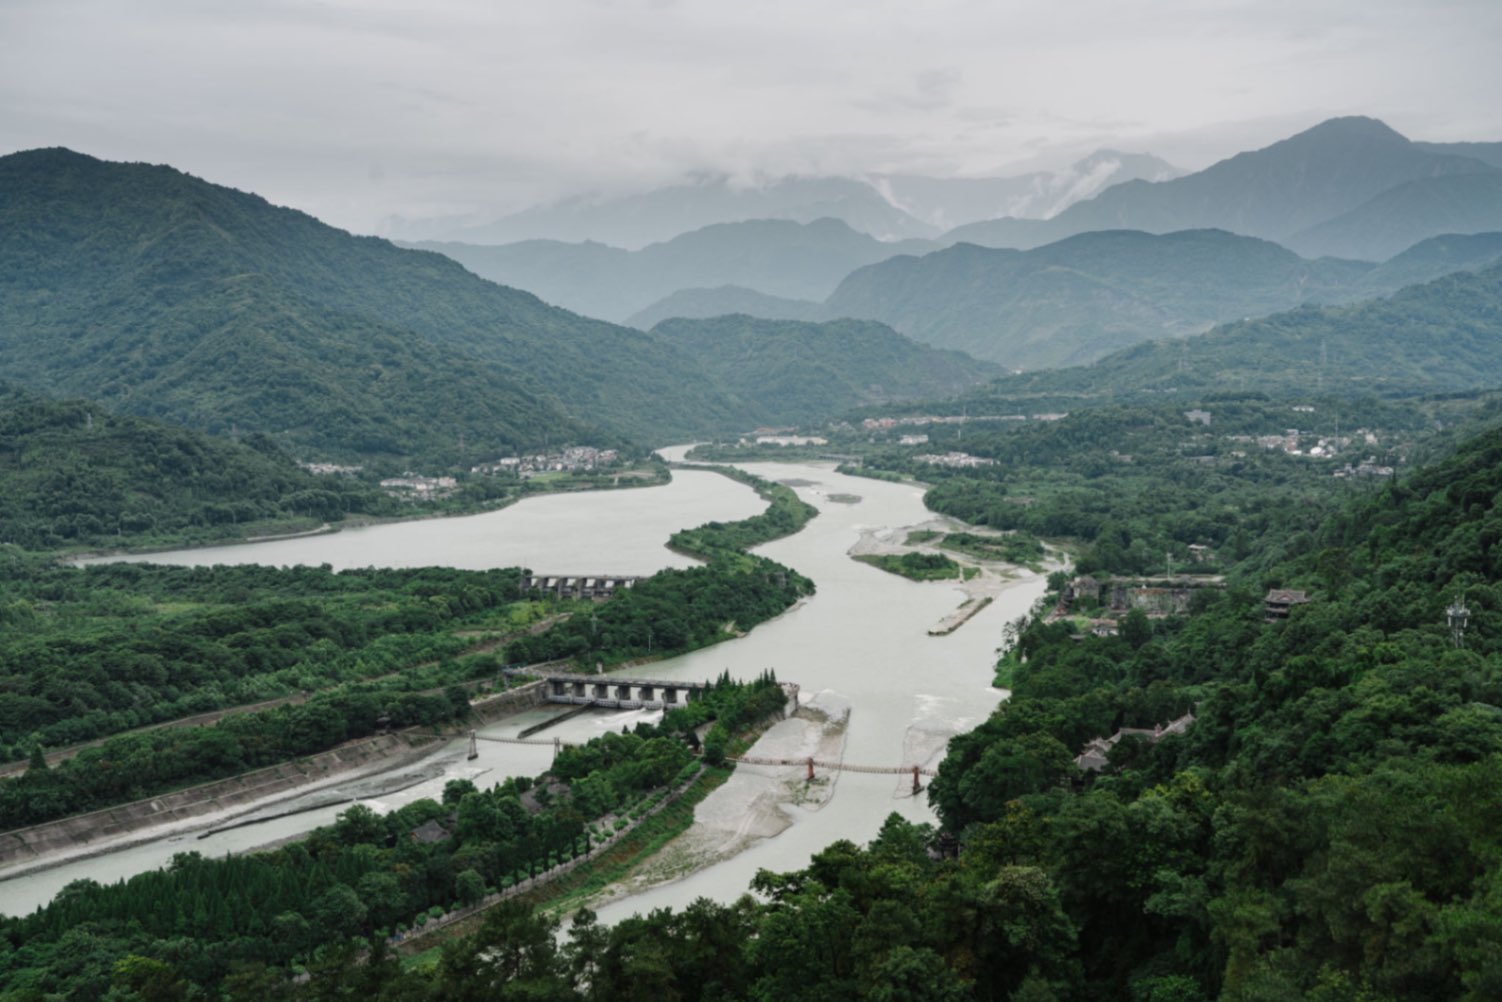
<point>861,641</point>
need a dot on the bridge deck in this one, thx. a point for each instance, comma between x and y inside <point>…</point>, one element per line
<point>619,680</point>
<point>810,763</point>
<point>895,770</point>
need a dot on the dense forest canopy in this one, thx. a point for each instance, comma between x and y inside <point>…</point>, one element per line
<point>1439,337</point>
<point>72,473</point>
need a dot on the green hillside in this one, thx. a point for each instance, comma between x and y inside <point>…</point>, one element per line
<point>1076,300</point>
<point>795,372</point>
<point>724,300</point>
<point>1433,258</point>
<point>1316,821</point>
<point>1441,337</point>
<point>162,294</point>
<point>1323,828</point>
<point>73,474</point>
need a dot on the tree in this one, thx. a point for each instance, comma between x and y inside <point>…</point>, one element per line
<point>470,886</point>
<point>358,824</point>
<point>151,980</point>
<point>1136,628</point>
<point>338,912</point>
<point>455,789</point>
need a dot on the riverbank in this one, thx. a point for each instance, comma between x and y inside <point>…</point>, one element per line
<point>754,804</point>
<point>634,477</point>
<point>250,798</point>
<point>982,581</point>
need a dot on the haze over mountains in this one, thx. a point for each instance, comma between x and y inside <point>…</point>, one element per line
<point>1348,188</point>
<point>886,206</point>
<point>1074,301</point>
<point>1279,193</point>
<point>777,257</point>
<point>158,294</point>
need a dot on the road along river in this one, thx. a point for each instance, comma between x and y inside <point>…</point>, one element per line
<point>877,689</point>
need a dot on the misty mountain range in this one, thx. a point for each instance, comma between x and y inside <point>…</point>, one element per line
<point>1281,192</point>
<point>1077,300</point>
<point>885,206</point>
<point>1349,188</point>
<point>777,257</point>
<point>162,295</point>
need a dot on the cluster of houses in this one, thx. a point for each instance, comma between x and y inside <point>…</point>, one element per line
<point>1160,595</point>
<point>790,440</point>
<point>574,459</point>
<point>412,486</point>
<point>331,469</point>
<point>1293,442</point>
<point>888,423</point>
<point>955,460</point>
<point>1367,468</point>
<point>1096,756</point>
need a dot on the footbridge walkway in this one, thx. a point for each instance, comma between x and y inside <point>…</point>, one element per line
<point>814,763</point>
<point>811,764</point>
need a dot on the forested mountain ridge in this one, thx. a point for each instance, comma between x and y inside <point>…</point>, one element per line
<point>165,295</point>
<point>73,474</point>
<point>1433,258</point>
<point>1322,826</point>
<point>1073,301</point>
<point>1439,337</point>
<point>159,294</point>
<point>809,370</point>
<point>724,301</point>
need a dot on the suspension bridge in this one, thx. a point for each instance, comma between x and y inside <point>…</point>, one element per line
<point>812,765</point>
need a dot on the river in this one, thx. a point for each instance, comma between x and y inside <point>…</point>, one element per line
<point>860,642</point>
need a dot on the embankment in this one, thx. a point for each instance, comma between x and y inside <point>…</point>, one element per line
<point>111,827</point>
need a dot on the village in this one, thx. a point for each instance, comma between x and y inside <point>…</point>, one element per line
<point>571,459</point>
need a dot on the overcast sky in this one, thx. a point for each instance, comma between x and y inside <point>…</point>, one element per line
<point>357,110</point>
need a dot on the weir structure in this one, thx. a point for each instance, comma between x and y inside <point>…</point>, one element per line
<point>577,585</point>
<point>616,693</point>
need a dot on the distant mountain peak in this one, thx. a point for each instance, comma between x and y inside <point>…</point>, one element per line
<point>1344,130</point>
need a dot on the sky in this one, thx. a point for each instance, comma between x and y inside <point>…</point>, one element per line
<point>358,111</point>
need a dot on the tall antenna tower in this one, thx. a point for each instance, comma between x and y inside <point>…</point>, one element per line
<point>1456,616</point>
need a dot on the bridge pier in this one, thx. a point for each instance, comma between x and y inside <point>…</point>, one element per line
<point>917,786</point>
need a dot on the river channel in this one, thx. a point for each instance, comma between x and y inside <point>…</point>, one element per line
<point>861,643</point>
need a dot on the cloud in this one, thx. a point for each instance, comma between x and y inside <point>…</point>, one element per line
<point>473,106</point>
